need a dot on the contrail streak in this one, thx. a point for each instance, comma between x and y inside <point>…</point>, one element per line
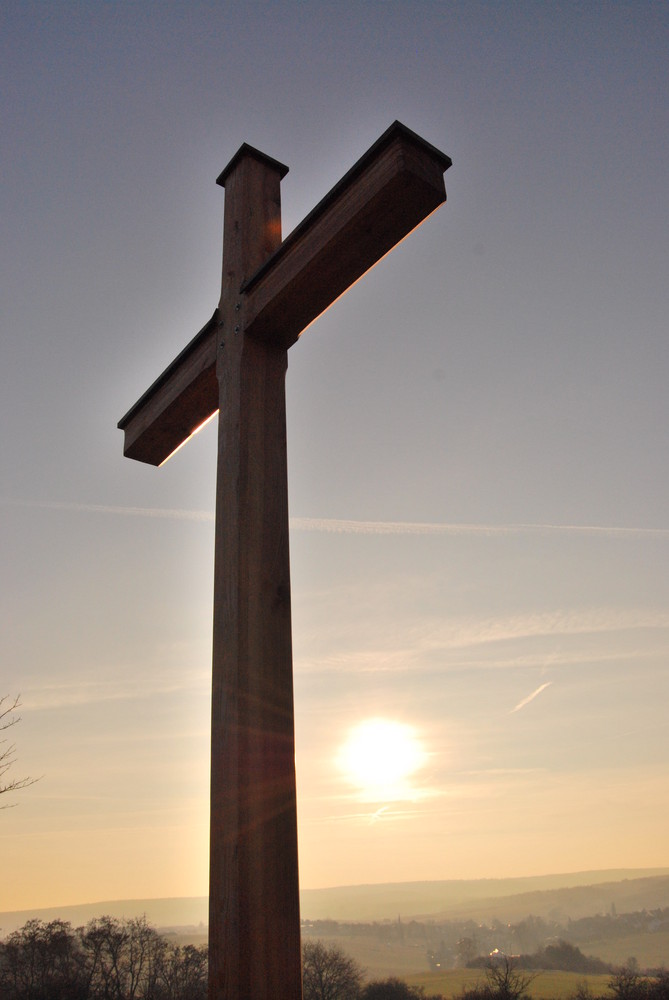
<point>530,697</point>
<point>331,525</point>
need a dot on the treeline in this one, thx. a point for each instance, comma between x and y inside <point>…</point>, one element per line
<point>109,959</point>
<point>560,957</point>
<point>448,942</point>
<point>451,943</point>
<point>612,924</point>
<point>113,959</point>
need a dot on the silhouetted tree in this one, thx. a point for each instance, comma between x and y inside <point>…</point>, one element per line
<point>184,975</point>
<point>328,973</point>
<point>125,958</point>
<point>563,956</point>
<point>8,750</point>
<point>43,961</point>
<point>467,950</point>
<point>393,989</point>
<point>629,984</point>
<point>503,982</point>
<point>108,959</point>
<point>582,992</point>
<point>659,988</point>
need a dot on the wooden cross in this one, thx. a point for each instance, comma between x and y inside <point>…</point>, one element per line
<point>271,291</point>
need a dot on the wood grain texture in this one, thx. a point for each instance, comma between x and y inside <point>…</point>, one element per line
<point>254,923</point>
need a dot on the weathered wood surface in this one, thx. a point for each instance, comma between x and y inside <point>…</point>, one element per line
<point>254,921</point>
<point>387,193</point>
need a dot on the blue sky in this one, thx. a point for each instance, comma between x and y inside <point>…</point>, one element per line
<point>498,381</point>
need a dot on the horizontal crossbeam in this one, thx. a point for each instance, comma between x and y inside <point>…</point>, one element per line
<point>387,193</point>
<point>178,402</point>
<point>394,186</point>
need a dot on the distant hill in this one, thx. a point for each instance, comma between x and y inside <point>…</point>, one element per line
<point>627,896</point>
<point>574,895</point>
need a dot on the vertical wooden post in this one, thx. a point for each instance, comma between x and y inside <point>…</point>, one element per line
<point>254,925</point>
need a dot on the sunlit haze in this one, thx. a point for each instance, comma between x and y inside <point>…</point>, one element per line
<point>478,435</point>
<point>380,757</point>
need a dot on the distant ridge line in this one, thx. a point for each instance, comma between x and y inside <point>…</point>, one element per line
<point>598,875</point>
<point>576,892</point>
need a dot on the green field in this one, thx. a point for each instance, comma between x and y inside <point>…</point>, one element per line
<point>650,950</point>
<point>378,959</point>
<point>409,961</point>
<point>546,985</point>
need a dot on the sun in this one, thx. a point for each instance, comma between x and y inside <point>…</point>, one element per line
<point>380,757</point>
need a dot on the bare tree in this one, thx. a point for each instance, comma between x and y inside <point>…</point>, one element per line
<point>42,962</point>
<point>503,982</point>
<point>629,984</point>
<point>110,959</point>
<point>125,958</point>
<point>184,973</point>
<point>506,983</point>
<point>328,973</point>
<point>8,750</point>
<point>393,989</point>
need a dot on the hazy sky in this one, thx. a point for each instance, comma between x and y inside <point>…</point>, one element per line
<point>478,438</point>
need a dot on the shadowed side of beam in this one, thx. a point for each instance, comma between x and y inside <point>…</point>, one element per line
<point>181,399</point>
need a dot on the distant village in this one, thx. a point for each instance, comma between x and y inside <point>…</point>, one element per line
<point>462,943</point>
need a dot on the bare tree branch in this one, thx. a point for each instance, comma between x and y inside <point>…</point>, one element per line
<point>8,750</point>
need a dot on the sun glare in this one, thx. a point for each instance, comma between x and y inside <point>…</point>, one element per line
<point>380,757</point>
<point>196,430</point>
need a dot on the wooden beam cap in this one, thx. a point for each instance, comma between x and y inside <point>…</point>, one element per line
<point>398,129</point>
<point>244,151</point>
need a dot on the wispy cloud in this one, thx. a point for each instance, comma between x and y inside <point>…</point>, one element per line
<point>470,631</point>
<point>385,814</point>
<point>350,527</point>
<point>530,697</point>
<point>354,527</point>
<point>79,693</point>
<point>484,642</point>
<point>98,508</point>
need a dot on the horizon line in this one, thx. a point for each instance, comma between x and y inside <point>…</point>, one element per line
<point>658,870</point>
